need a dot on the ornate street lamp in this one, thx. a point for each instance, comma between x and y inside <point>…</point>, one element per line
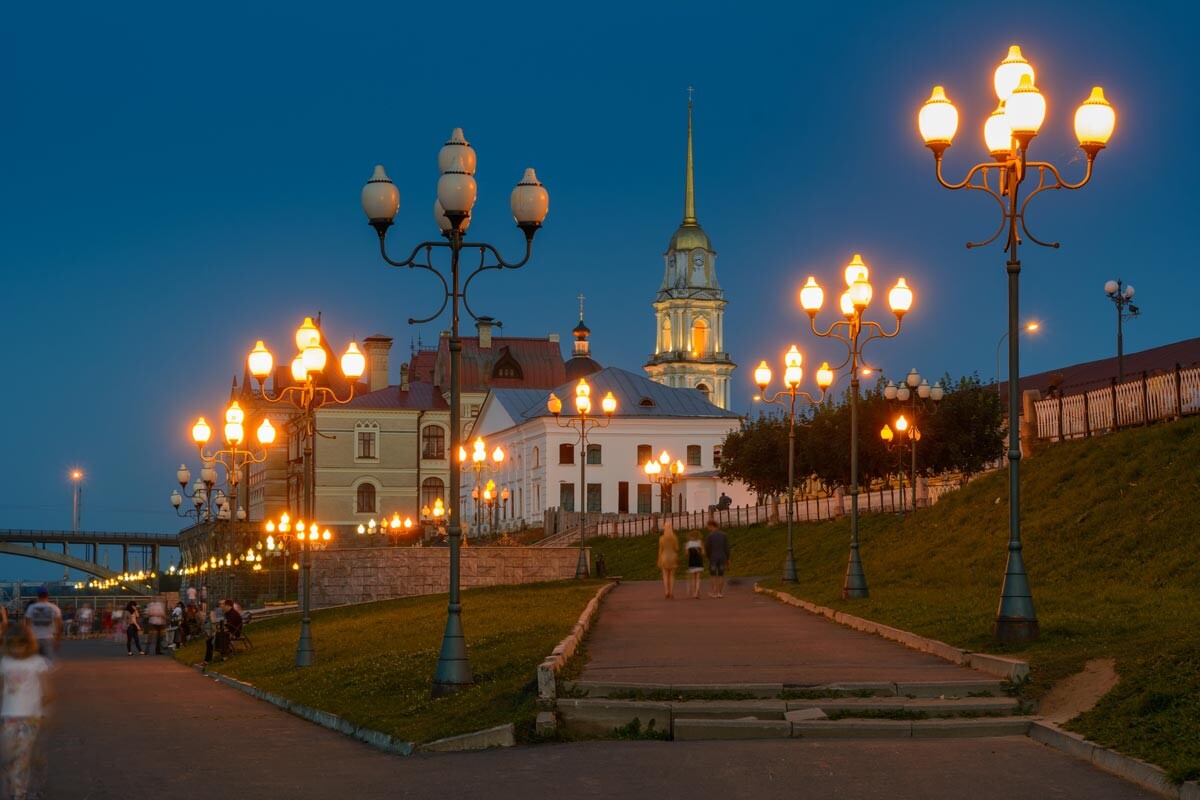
<point>853,302</point>
<point>666,474</point>
<point>583,421</point>
<point>921,397</point>
<point>1008,133</point>
<point>307,538</point>
<point>792,373</point>
<point>913,434</point>
<point>393,528</point>
<point>452,211</point>
<point>1122,296</point>
<point>307,397</point>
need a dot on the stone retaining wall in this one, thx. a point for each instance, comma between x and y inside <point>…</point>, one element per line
<point>362,575</point>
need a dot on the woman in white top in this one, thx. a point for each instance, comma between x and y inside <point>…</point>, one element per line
<point>694,549</point>
<point>22,710</point>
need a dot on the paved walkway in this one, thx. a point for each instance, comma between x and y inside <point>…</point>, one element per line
<point>148,727</point>
<point>744,637</point>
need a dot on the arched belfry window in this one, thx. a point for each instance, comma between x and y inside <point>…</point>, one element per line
<point>704,390</point>
<point>701,345</point>
<point>666,335</point>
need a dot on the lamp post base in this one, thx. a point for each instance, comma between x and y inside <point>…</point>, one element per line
<point>789,569</point>
<point>453,670</point>
<point>306,656</point>
<point>1016,629</point>
<point>855,587</point>
<point>582,568</point>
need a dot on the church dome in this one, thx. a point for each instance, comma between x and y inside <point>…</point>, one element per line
<point>580,367</point>
<point>689,236</point>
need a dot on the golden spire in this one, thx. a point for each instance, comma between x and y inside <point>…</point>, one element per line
<point>689,194</point>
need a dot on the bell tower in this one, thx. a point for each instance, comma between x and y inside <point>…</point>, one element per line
<point>689,312</point>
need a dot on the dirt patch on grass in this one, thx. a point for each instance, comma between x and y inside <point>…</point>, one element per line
<point>1080,692</point>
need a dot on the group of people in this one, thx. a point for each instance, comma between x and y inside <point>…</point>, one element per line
<point>714,547</point>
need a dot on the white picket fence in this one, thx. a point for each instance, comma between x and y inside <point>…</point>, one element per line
<point>1147,399</point>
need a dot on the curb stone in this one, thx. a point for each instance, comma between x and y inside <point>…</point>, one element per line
<point>547,671</point>
<point>499,736</point>
<point>1131,769</point>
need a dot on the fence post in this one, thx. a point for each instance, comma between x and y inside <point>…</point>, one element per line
<point>1087,418</point>
<point>1145,401</point>
<point>1061,435</point>
<point>1178,392</point>
<point>1115,424</point>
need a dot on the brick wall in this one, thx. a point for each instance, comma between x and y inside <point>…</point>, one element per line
<point>360,575</point>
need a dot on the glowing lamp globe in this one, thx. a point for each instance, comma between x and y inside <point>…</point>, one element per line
<point>997,135</point>
<point>860,294</point>
<point>824,376</point>
<point>900,298</point>
<point>313,358</point>
<point>846,304</point>
<point>234,413</point>
<point>201,431</point>
<point>938,119</point>
<point>307,334</point>
<point>792,376</point>
<point>354,363</point>
<point>855,271</point>
<point>554,404</point>
<point>299,373</point>
<point>1008,75</point>
<point>1095,121</point>
<point>762,375</point>
<point>260,361</point>
<point>793,358</point>
<point>609,404</point>
<point>886,433</point>
<point>812,296</point>
<point>1025,109</point>
<point>266,432</point>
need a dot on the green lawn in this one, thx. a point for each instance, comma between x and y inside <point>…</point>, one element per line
<point>375,662</point>
<point>1112,547</point>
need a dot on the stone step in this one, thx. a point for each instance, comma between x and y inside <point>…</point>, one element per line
<point>693,729</point>
<point>666,692</point>
<point>932,706</point>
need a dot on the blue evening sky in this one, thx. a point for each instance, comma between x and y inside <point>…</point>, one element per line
<point>179,181</point>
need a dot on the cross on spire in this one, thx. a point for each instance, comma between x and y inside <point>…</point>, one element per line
<point>581,299</point>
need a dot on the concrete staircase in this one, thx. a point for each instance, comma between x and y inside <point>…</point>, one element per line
<point>780,711</point>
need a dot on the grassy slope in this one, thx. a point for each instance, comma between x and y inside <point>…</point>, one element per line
<point>375,662</point>
<point>1112,546</point>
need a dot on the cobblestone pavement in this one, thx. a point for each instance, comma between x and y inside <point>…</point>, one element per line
<point>132,727</point>
<point>744,637</point>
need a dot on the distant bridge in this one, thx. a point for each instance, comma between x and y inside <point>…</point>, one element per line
<point>36,544</point>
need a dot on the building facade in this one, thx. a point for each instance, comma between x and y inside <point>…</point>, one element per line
<point>689,311</point>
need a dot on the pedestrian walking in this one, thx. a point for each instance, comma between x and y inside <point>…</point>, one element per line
<point>156,620</point>
<point>133,627</point>
<point>86,614</point>
<point>668,558</point>
<point>695,563</point>
<point>716,544</point>
<point>45,620</point>
<point>22,710</point>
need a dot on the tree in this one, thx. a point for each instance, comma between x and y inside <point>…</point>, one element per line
<point>756,455</point>
<point>967,432</point>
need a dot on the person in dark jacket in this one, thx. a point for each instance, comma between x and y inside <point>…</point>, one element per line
<point>225,634</point>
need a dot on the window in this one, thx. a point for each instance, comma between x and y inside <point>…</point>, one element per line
<point>366,441</point>
<point>666,335</point>
<point>593,454</point>
<point>566,454</point>
<point>366,498</point>
<point>645,496</point>
<point>507,367</point>
<point>431,490</point>
<point>433,442</point>
<point>703,389</point>
<point>537,458</point>
<point>700,343</point>
<point>623,497</point>
<point>593,498</point>
<point>645,453</point>
<point>693,455</point>
<point>646,402</point>
<point>566,496</point>
<point>717,455</point>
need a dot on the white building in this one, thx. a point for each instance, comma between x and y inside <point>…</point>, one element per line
<point>542,469</point>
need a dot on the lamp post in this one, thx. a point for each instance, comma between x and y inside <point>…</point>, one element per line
<point>434,515</point>
<point>792,373</point>
<point>480,461</point>
<point>1008,133</point>
<point>307,538</point>
<point>666,474</point>
<point>916,391</point>
<point>1029,327</point>
<point>234,458</point>
<point>455,197</point>
<point>392,528</point>
<point>853,302</point>
<point>307,397</point>
<point>1122,296</point>
<point>77,498</point>
<point>584,422</point>
<point>913,434</point>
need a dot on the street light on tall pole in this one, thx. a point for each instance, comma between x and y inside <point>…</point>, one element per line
<point>1008,133</point>
<point>913,434</point>
<point>1029,327</point>
<point>792,373</point>
<point>852,303</point>
<point>452,211</point>
<point>584,422</point>
<point>480,461</point>
<point>917,392</point>
<point>307,398</point>
<point>1122,296</point>
<point>666,474</point>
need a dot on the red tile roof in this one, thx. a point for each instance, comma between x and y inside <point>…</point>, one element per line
<point>540,362</point>
<point>1095,374</point>
<point>420,396</point>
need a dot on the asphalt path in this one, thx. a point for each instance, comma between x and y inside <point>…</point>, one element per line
<point>145,726</point>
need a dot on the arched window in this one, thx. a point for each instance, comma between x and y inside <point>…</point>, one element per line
<point>366,498</point>
<point>433,442</point>
<point>704,390</point>
<point>566,454</point>
<point>666,335</point>
<point>507,366</point>
<point>537,458</point>
<point>701,346</point>
<point>366,441</point>
<point>431,490</point>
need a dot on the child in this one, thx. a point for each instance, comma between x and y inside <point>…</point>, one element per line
<point>21,711</point>
<point>695,562</point>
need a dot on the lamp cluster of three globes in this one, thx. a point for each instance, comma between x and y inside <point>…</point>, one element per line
<point>858,293</point>
<point>309,360</point>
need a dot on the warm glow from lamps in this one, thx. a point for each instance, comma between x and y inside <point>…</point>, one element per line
<point>997,136</point>
<point>498,455</point>
<point>824,376</point>
<point>314,358</point>
<point>901,424</point>
<point>664,458</point>
<point>860,294</point>
<point>234,433</point>
<point>856,271</point>
<point>608,404</point>
<point>266,432</point>
<point>1032,326</point>
<point>1008,75</point>
<point>234,414</point>
<point>846,304</point>
<point>793,357</point>
<point>1025,110</point>
<point>260,361</point>
<point>395,523</point>
<point>1095,120</point>
<point>762,375</point>
<point>886,434</point>
<point>299,373</point>
<point>583,403</point>
<point>201,431</point>
<point>812,296</point>
<point>307,335</point>
<point>938,118</point>
<point>900,298</point>
<point>554,404</point>
<point>354,363</point>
